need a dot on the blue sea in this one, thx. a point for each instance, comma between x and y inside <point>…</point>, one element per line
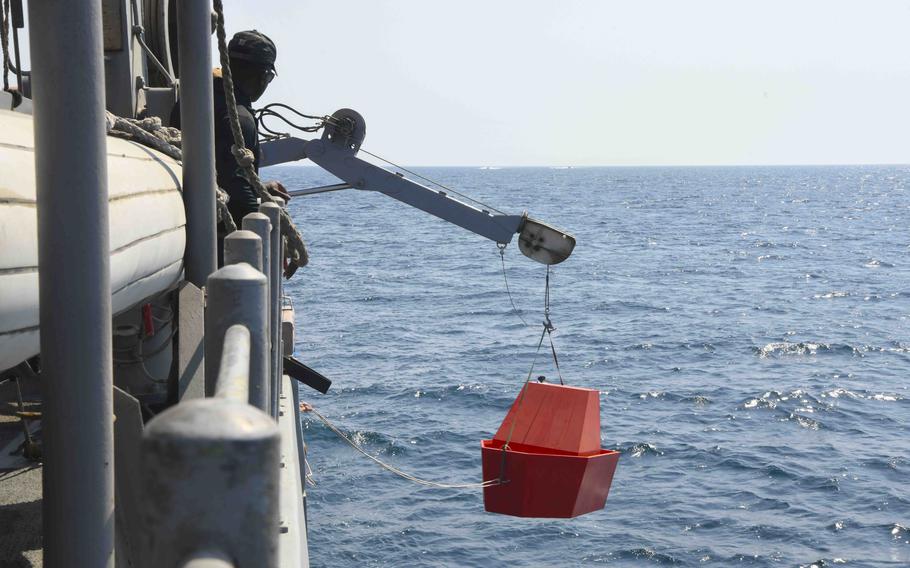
<point>748,329</point>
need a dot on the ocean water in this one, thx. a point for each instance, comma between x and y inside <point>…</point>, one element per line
<point>748,330</point>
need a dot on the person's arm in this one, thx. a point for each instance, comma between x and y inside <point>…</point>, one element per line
<point>277,189</point>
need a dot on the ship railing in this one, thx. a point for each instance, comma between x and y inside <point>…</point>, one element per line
<point>213,464</point>
<point>234,372</point>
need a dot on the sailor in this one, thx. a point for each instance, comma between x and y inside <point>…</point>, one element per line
<point>252,59</point>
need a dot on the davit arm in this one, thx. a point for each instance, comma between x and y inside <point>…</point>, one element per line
<point>336,152</point>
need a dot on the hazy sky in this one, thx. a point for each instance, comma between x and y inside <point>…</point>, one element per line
<point>596,82</point>
<point>600,82</point>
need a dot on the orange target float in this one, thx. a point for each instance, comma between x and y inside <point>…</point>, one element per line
<point>547,455</point>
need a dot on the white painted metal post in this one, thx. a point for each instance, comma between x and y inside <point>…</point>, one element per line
<point>197,123</point>
<point>238,293</point>
<point>273,212</point>
<point>243,246</point>
<point>74,279</point>
<point>234,372</point>
<point>209,559</point>
<point>211,472</point>
<point>260,224</point>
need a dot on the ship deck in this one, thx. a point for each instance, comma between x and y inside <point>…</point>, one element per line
<point>20,482</point>
<point>21,479</point>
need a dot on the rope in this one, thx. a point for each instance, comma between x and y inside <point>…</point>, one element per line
<point>502,257</point>
<point>548,329</point>
<point>296,249</point>
<point>148,132</point>
<point>167,140</point>
<point>524,388</point>
<point>304,407</point>
<point>555,358</point>
<point>308,471</point>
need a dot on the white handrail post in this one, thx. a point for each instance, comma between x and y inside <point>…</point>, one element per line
<point>260,224</point>
<point>243,246</point>
<point>238,294</point>
<point>211,473</point>
<point>273,212</point>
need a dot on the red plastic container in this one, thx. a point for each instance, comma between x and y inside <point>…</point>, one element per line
<point>554,466</point>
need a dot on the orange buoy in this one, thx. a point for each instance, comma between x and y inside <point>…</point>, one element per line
<point>547,455</point>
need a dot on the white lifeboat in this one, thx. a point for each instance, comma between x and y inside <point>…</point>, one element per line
<point>147,231</point>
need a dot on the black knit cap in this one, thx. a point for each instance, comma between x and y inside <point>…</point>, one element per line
<point>253,46</point>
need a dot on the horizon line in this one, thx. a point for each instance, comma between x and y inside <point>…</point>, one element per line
<point>306,164</point>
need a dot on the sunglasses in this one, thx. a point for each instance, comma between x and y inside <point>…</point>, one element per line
<point>269,75</point>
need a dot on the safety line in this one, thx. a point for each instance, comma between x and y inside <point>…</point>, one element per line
<point>305,407</point>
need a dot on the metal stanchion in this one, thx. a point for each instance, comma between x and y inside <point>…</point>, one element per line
<point>260,224</point>
<point>238,294</point>
<point>197,123</point>
<point>243,246</point>
<point>208,559</point>
<point>273,212</point>
<point>211,472</point>
<point>74,282</point>
<point>234,372</point>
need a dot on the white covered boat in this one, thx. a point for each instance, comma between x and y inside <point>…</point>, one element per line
<point>147,236</point>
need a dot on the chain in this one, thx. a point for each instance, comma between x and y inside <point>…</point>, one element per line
<point>548,326</point>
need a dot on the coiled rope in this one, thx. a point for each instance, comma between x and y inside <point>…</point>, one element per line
<point>297,251</point>
<point>167,140</point>
<point>305,407</point>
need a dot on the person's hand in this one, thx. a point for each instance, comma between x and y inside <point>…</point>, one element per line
<point>277,189</point>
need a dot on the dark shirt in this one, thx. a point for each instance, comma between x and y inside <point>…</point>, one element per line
<point>243,197</point>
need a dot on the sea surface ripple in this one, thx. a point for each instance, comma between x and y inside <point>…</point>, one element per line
<point>747,329</point>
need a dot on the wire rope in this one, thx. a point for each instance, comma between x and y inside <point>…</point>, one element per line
<point>502,258</point>
<point>483,206</point>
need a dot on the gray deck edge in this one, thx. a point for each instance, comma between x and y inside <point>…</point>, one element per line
<point>292,545</point>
